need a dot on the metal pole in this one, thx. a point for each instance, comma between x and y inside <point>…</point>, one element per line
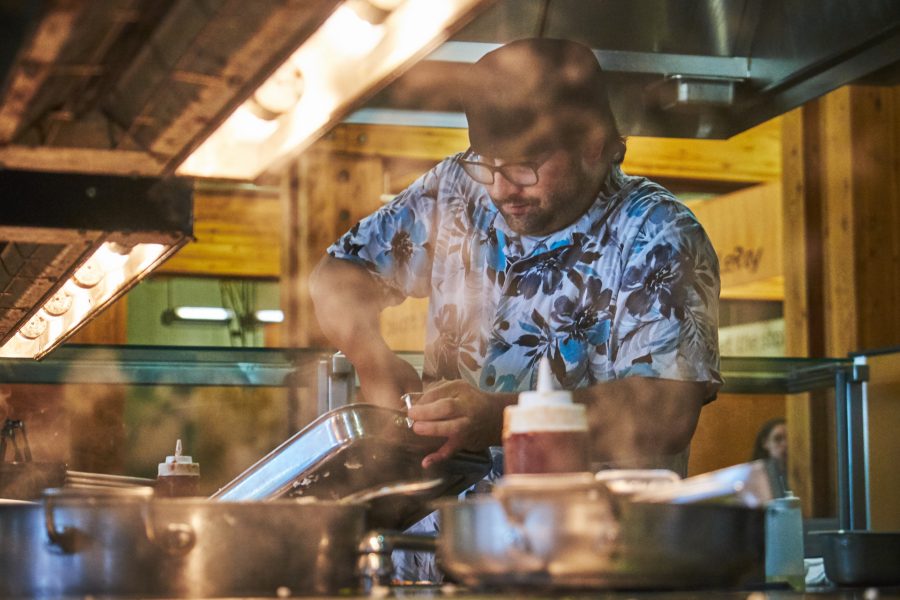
<point>843,450</point>
<point>853,493</point>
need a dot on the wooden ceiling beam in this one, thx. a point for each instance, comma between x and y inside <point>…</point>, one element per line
<point>79,160</point>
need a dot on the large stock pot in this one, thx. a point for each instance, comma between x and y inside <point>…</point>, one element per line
<point>124,542</point>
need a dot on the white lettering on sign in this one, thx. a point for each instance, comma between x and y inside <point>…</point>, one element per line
<point>763,338</point>
<point>742,259</point>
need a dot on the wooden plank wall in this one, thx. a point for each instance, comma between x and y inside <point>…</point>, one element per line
<point>745,228</point>
<point>237,234</point>
<point>842,251</point>
<point>749,157</point>
<point>325,194</point>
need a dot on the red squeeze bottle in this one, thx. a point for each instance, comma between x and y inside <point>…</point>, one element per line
<point>546,432</point>
<point>178,476</point>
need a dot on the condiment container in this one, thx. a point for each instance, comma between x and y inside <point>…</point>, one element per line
<point>178,476</point>
<point>784,542</point>
<point>546,432</point>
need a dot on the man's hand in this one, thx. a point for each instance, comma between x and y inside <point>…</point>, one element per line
<point>469,418</point>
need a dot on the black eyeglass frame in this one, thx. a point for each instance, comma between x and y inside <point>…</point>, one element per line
<point>503,169</point>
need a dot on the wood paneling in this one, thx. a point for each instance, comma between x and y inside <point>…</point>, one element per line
<point>727,429</point>
<point>875,134</point>
<point>883,410</point>
<point>839,226</point>
<point>426,143</point>
<point>79,160</point>
<point>807,415</point>
<point>108,327</point>
<point>237,235</point>
<point>745,230</point>
<point>749,157</point>
<point>330,193</point>
<point>842,254</point>
<point>861,200</point>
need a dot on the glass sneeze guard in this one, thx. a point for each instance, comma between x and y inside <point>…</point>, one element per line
<point>278,367</point>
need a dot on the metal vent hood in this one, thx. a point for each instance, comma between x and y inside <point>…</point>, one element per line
<point>676,68</point>
<point>71,244</point>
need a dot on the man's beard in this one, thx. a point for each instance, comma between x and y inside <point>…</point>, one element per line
<point>565,205</point>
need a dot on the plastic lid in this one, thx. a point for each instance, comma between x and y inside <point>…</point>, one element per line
<point>179,464</point>
<point>545,409</point>
<point>546,393</point>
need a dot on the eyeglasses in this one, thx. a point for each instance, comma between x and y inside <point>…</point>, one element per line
<point>521,173</point>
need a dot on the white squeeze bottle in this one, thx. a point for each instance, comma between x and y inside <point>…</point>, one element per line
<point>546,432</point>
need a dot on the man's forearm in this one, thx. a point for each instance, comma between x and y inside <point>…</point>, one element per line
<point>640,416</point>
<point>346,300</point>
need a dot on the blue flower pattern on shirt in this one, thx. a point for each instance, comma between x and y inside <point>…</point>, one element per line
<point>630,288</point>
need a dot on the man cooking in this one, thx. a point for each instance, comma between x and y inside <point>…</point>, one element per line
<point>534,243</point>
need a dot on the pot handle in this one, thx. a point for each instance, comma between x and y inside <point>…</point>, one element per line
<point>69,540</point>
<point>177,539</point>
<point>375,565</point>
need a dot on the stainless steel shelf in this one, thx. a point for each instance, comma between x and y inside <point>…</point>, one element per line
<point>765,375</point>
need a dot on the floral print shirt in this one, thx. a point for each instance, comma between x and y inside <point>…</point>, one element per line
<point>630,288</point>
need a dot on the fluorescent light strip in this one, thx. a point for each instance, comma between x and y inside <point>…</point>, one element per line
<point>98,281</point>
<point>269,316</point>
<point>410,118</point>
<point>203,313</point>
<point>334,78</point>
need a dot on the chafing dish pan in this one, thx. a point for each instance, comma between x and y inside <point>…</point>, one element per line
<point>559,542</point>
<point>352,449</point>
<point>861,558</point>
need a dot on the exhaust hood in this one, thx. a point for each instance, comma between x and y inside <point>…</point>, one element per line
<point>70,244</point>
<point>675,68</point>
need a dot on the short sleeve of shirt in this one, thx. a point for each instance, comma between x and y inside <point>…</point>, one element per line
<point>395,243</point>
<point>667,309</point>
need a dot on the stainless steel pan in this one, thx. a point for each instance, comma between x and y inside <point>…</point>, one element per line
<point>581,542</point>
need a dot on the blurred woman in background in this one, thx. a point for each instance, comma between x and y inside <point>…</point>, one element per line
<point>771,443</point>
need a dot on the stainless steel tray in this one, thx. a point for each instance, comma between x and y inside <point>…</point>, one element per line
<point>355,448</point>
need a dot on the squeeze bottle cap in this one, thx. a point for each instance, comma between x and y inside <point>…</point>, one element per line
<point>179,464</point>
<point>546,393</point>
